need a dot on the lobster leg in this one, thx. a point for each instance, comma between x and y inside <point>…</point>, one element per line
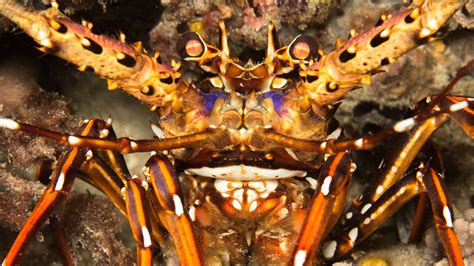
<point>137,209</point>
<point>407,147</point>
<point>373,215</point>
<point>267,139</point>
<point>211,138</point>
<point>430,152</point>
<point>43,172</point>
<point>460,108</point>
<point>442,212</point>
<point>167,190</point>
<point>61,184</point>
<point>60,240</point>
<point>333,182</point>
<point>107,171</point>
<point>100,175</point>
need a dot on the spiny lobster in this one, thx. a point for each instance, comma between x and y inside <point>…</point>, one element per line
<point>242,152</point>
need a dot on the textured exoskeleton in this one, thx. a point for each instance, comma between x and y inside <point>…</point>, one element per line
<point>235,184</point>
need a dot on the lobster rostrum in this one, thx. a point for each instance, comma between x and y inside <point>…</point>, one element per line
<point>244,151</point>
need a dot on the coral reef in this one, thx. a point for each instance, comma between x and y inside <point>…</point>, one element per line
<point>94,234</point>
<point>95,231</point>
<point>246,21</point>
<point>91,224</point>
<point>27,102</point>
<point>466,16</point>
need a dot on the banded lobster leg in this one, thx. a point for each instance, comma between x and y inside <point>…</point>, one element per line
<point>99,173</point>
<point>216,139</point>
<point>60,186</point>
<point>460,108</point>
<point>174,216</point>
<point>162,177</point>
<point>106,170</point>
<point>421,127</point>
<point>429,152</point>
<point>410,144</point>
<point>138,210</point>
<point>379,200</point>
<point>425,179</point>
<point>324,210</point>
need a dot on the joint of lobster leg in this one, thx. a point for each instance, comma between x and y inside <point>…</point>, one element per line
<point>137,208</point>
<point>371,217</point>
<point>167,190</point>
<point>443,216</point>
<point>334,178</point>
<point>61,183</point>
<point>166,184</point>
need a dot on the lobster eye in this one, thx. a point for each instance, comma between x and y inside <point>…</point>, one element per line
<point>194,48</point>
<point>300,50</point>
<point>191,45</point>
<point>303,48</point>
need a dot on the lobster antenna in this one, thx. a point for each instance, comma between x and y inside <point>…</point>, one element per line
<point>271,40</point>
<point>223,40</point>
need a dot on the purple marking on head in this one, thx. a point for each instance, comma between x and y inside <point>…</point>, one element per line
<point>277,98</point>
<point>210,99</point>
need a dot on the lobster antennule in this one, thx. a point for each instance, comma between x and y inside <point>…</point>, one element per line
<point>123,66</point>
<point>353,62</point>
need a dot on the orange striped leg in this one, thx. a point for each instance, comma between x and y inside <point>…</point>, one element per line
<point>339,204</point>
<point>101,175</point>
<point>443,216</point>
<point>204,139</point>
<point>334,178</point>
<point>464,117</point>
<point>60,241</point>
<point>61,183</point>
<point>405,149</point>
<point>460,108</point>
<point>371,217</point>
<point>408,146</point>
<point>107,171</point>
<point>137,209</point>
<point>419,218</point>
<point>435,161</point>
<point>43,172</point>
<point>173,215</point>
<point>374,215</point>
